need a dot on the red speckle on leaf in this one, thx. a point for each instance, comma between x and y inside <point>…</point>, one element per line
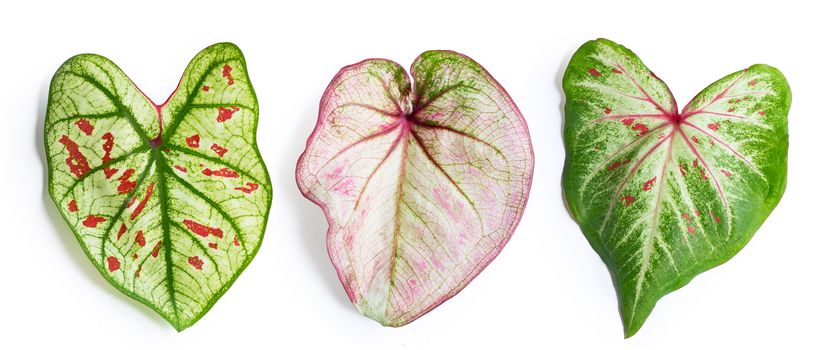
<point>85,126</point>
<point>713,126</point>
<point>335,174</point>
<point>135,256</point>
<point>345,187</point>
<point>695,139</point>
<point>731,109</point>
<point>121,231</point>
<point>193,141</point>
<point>155,252</point>
<point>195,262</point>
<point>761,112</point>
<point>205,88</point>
<point>202,230</point>
<point>226,74</point>
<point>682,170</point>
<point>701,170</point>
<point>76,161</point>
<point>143,202</point>
<point>436,263</point>
<point>136,274</point>
<point>690,230</point>
<point>107,146</point>
<point>109,172</point>
<point>628,200</point>
<point>696,213</point>
<point>616,71</point>
<point>236,240</point>
<point>225,114</point>
<point>140,238</point>
<point>594,72</point>
<point>92,221</point>
<point>218,149</point>
<point>436,115</point>
<point>113,263</point>
<point>607,111</point>
<point>249,189</point>
<point>131,201</point>
<point>627,121</point>
<point>726,173</point>
<point>686,217</point>
<point>650,183</point>
<point>714,216</point>
<point>752,82</point>
<point>125,185</point>
<point>224,172</point>
<point>72,206</point>
<point>213,246</point>
<point>181,168</point>
<point>613,166</point>
<point>641,128</point>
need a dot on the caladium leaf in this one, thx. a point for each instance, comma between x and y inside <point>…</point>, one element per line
<point>664,195</point>
<point>168,201</point>
<point>421,187</point>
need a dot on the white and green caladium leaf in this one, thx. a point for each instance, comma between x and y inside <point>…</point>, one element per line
<point>422,187</point>
<point>168,201</point>
<point>664,195</point>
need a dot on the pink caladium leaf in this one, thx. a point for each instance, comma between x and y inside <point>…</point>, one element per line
<point>422,187</point>
<point>168,201</point>
<point>663,195</point>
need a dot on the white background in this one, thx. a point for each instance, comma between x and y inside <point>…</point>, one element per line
<point>547,289</point>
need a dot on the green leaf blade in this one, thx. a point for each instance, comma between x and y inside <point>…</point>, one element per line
<point>169,225</point>
<point>663,195</point>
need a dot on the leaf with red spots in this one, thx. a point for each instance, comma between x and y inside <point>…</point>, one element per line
<point>421,187</point>
<point>643,219</point>
<point>119,173</point>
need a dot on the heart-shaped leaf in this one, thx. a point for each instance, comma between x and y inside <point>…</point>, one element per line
<point>421,189</point>
<point>168,201</point>
<point>664,195</point>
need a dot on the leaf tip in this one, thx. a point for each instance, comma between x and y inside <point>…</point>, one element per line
<point>632,325</point>
<point>225,45</point>
<point>223,48</point>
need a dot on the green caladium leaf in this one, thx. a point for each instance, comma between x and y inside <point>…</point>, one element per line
<point>168,201</point>
<point>422,187</point>
<point>664,195</point>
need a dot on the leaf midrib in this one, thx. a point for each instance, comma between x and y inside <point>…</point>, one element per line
<point>157,159</point>
<point>677,129</point>
<point>406,124</point>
